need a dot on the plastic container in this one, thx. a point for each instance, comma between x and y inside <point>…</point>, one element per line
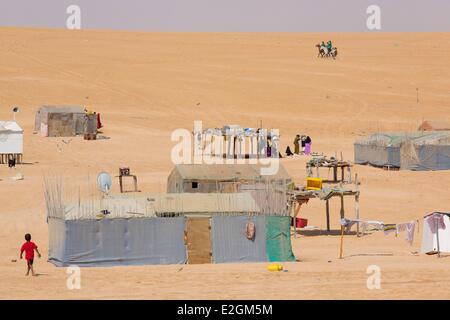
<point>299,223</point>
<point>275,267</point>
<point>313,184</point>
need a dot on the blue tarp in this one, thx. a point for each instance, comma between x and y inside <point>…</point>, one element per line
<point>229,242</point>
<point>111,242</point>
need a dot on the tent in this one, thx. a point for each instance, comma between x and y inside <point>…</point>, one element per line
<point>410,151</point>
<point>428,125</point>
<point>60,121</point>
<point>11,141</point>
<point>436,236</point>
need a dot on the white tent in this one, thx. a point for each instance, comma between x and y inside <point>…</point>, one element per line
<point>436,236</point>
<point>11,138</point>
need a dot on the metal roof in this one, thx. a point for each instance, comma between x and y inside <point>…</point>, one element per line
<point>151,205</point>
<point>10,126</point>
<point>62,109</point>
<point>228,172</point>
<point>416,137</point>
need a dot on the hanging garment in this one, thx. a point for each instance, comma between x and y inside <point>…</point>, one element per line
<point>347,224</point>
<point>435,221</point>
<point>390,228</point>
<point>409,228</point>
<point>373,225</point>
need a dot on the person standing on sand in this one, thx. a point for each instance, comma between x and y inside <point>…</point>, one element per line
<point>29,248</point>
<point>297,144</point>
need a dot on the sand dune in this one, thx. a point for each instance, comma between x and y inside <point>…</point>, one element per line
<point>147,84</point>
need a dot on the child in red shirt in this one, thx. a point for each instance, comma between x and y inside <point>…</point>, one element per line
<point>29,248</point>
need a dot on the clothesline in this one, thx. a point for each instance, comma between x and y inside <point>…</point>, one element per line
<point>408,227</point>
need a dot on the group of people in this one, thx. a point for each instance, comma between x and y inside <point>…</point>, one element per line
<point>302,141</point>
<point>329,45</point>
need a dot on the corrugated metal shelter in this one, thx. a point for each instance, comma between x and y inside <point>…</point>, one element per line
<point>60,121</point>
<point>11,141</point>
<point>157,229</point>
<point>269,191</point>
<point>409,151</point>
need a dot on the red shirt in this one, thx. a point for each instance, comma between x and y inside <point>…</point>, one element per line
<point>28,247</point>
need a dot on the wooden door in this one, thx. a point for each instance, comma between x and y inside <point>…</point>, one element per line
<point>198,240</point>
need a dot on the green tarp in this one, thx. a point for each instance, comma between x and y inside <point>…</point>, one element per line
<point>278,239</point>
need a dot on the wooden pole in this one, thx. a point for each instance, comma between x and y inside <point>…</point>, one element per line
<point>342,242</point>
<point>437,236</point>
<point>342,207</point>
<point>296,210</point>
<point>349,169</point>
<point>357,204</point>
<point>328,214</point>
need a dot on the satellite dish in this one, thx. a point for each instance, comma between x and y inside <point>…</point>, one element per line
<point>15,110</point>
<point>104,182</point>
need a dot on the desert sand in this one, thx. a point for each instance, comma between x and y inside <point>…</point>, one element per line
<point>145,85</point>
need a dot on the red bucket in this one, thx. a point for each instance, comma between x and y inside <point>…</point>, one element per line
<point>299,223</point>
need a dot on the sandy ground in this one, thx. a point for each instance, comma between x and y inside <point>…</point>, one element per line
<point>147,84</point>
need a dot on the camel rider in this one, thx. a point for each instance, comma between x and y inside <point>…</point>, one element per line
<point>329,46</point>
<point>323,44</point>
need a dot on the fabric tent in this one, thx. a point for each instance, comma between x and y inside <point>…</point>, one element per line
<point>11,138</point>
<point>60,121</point>
<point>409,151</point>
<point>428,125</point>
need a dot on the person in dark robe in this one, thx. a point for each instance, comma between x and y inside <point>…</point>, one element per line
<point>288,152</point>
<point>269,146</point>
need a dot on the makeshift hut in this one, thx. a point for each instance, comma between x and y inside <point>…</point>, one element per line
<point>436,233</point>
<point>11,141</point>
<point>163,229</point>
<point>269,191</point>
<point>428,125</point>
<point>409,151</point>
<point>60,121</point>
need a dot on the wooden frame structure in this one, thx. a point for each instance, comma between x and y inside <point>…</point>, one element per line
<point>298,197</point>
<point>331,163</point>
<point>236,142</point>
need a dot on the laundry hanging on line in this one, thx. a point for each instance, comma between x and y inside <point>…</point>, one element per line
<point>408,227</point>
